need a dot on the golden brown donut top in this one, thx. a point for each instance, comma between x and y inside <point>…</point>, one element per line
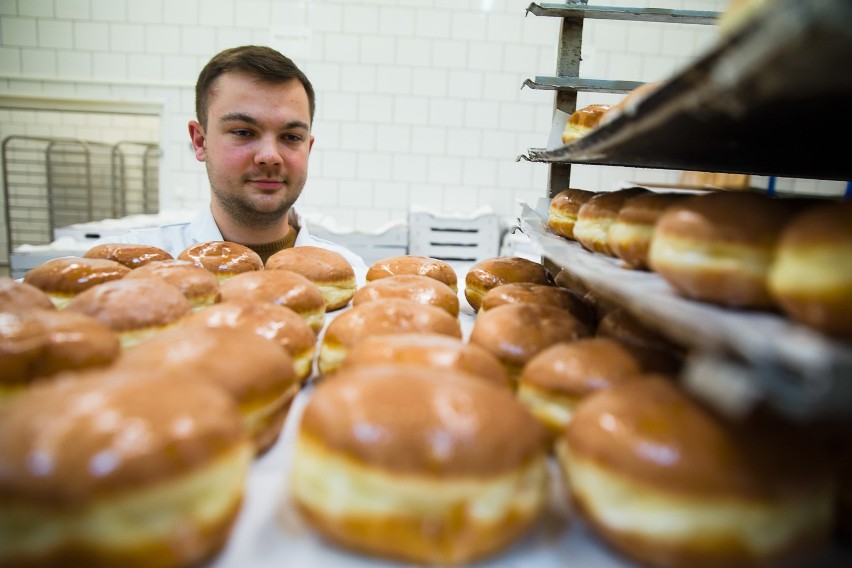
<point>20,295</point>
<point>103,432</point>
<point>646,209</point>
<point>195,282</point>
<point>530,293</point>
<point>75,341</point>
<point>581,367</point>
<point>389,316</point>
<point>415,421</point>
<point>245,365</point>
<point>491,272</point>
<point>727,217</point>
<point>420,289</point>
<point>516,332</point>
<point>279,324</point>
<point>130,255</point>
<point>651,431</point>
<point>125,305</point>
<point>819,225</point>
<point>607,204</point>
<point>427,350</point>
<point>281,287</point>
<point>414,264</point>
<point>314,263</point>
<point>568,201</point>
<point>23,341</point>
<point>71,275</point>
<point>223,257</point>
<point>589,116</point>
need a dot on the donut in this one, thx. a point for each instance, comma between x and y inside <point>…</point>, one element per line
<point>329,270</point>
<point>101,469</point>
<point>390,316</point>
<point>719,247</point>
<point>427,350</point>
<point>514,333</point>
<point>75,341</point>
<point>492,272</point>
<point>558,378</point>
<point>135,309</point>
<point>631,233</point>
<point>16,295</point>
<point>655,352</point>
<point>628,104</point>
<point>23,341</point>
<point>419,289</point>
<point>810,277</point>
<point>65,277</point>
<point>583,120</point>
<point>280,287</point>
<point>597,215</point>
<point>459,475</point>
<point>670,483</point>
<point>567,279</point>
<point>223,258</point>
<point>199,286</point>
<point>279,324</point>
<point>262,390</point>
<point>563,209</point>
<point>130,255</point>
<point>529,293</point>
<point>414,264</point>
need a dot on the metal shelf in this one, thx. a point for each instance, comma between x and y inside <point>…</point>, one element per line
<point>617,13</point>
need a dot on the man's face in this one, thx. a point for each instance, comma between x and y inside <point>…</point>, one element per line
<point>256,146</point>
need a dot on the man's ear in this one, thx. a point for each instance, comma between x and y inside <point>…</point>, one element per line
<point>197,137</point>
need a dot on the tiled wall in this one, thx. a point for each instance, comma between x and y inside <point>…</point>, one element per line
<point>419,101</point>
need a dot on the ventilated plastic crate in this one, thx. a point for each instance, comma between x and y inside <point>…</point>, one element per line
<point>448,238</point>
<point>369,246</point>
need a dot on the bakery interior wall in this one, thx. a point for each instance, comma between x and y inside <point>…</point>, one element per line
<point>419,101</point>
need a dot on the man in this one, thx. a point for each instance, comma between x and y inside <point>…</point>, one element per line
<point>255,110</point>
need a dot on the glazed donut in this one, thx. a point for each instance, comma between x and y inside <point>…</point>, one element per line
<point>329,270</point>
<point>223,258</point>
<point>414,264</point>
<point>101,469</point>
<point>16,295</point>
<point>563,209</point>
<point>199,286</point>
<point>558,378</point>
<point>719,247</point>
<point>75,342</point>
<point>427,350</point>
<point>65,277</point>
<point>130,255</point>
<point>492,272</point>
<point>529,293</point>
<point>390,316</point>
<point>135,309</point>
<point>655,352</point>
<point>597,215</point>
<point>670,483</point>
<point>428,485</point>
<point>514,333</point>
<point>280,287</point>
<point>23,341</point>
<point>567,279</point>
<point>263,389</point>
<point>279,324</point>
<point>811,277</point>
<point>631,234</point>
<point>419,289</point>
<point>582,121</point>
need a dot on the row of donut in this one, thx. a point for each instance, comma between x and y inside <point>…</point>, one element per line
<point>734,249</point>
<point>86,442</point>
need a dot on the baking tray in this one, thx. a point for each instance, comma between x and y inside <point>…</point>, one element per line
<point>770,99</point>
<point>737,357</point>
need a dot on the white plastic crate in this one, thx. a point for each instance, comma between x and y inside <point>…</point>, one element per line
<point>371,247</point>
<point>456,239</point>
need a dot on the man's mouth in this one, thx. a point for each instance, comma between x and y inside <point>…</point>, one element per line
<point>267,183</point>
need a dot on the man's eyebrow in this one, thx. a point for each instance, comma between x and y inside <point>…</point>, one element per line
<point>248,119</point>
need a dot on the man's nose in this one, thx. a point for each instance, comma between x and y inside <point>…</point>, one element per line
<point>268,153</point>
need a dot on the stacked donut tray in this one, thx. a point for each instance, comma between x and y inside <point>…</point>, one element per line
<point>737,357</point>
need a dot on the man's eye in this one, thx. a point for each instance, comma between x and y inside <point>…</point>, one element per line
<point>242,132</point>
<point>293,137</point>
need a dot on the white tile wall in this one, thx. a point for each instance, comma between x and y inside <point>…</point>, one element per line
<point>419,101</point>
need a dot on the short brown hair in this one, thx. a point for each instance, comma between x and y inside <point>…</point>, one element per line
<point>261,62</point>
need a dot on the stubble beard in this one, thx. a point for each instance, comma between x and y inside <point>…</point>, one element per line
<point>245,212</point>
